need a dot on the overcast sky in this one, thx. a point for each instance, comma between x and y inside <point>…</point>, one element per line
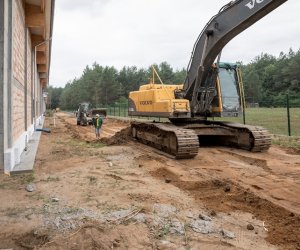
<point>143,32</point>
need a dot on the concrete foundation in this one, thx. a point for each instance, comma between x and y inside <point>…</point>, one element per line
<point>21,156</point>
<point>27,156</point>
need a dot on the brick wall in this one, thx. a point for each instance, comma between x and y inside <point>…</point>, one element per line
<point>18,40</point>
<point>18,110</point>
<point>18,69</point>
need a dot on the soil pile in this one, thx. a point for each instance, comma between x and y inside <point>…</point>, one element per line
<point>120,137</point>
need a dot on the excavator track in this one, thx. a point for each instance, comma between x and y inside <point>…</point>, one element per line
<point>179,142</point>
<point>182,140</point>
<point>248,137</point>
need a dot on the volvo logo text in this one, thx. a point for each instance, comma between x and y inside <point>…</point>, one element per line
<point>252,3</point>
<point>145,102</point>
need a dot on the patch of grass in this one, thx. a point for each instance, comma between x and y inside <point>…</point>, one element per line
<point>286,141</point>
<point>164,230</point>
<point>59,141</point>
<point>108,207</point>
<point>72,210</point>
<point>52,178</point>
<point>82,148</point>
<point>273,119</point>
<point>15,211</point>
<point>37,196</point>
<point>75,142</point>
<point>27,178</point>
<point>96,145</point>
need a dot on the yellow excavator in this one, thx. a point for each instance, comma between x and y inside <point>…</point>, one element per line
<point>211,89</point>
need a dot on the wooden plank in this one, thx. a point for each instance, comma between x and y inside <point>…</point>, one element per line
<point>33,16</point>
<point>43,75</point>
<point>42,68</point>
<point>42,47</point>
<point>43,82</point>
<point>43,6</point>
<point>41,58</point>
<point>36,39</point>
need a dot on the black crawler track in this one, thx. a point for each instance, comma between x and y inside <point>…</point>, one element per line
<point>182,140</point>
<point>179,142</point>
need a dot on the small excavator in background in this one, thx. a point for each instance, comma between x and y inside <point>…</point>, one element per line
<point>85,113</point>
<point>211,89</point>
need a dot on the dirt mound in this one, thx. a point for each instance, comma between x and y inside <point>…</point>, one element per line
<point>120,137</point>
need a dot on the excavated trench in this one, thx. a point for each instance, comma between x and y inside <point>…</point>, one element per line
<point>226,196</point>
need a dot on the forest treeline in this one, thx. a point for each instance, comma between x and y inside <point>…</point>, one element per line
<point>267,80</point>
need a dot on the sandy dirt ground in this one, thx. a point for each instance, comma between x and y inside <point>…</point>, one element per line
<point>116,193</point>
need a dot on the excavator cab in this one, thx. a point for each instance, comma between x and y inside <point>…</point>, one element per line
<point>229,97</point>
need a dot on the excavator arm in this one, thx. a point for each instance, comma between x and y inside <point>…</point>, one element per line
<point>232,19</point>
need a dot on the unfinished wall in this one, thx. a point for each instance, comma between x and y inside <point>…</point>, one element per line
<point>20,75</point>
<point>18,69</point>
<point>22,28</point>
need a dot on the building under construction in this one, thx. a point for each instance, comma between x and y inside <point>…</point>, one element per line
<point>25,52</point>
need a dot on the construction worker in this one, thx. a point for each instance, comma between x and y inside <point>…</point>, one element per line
<point>98,124</point>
